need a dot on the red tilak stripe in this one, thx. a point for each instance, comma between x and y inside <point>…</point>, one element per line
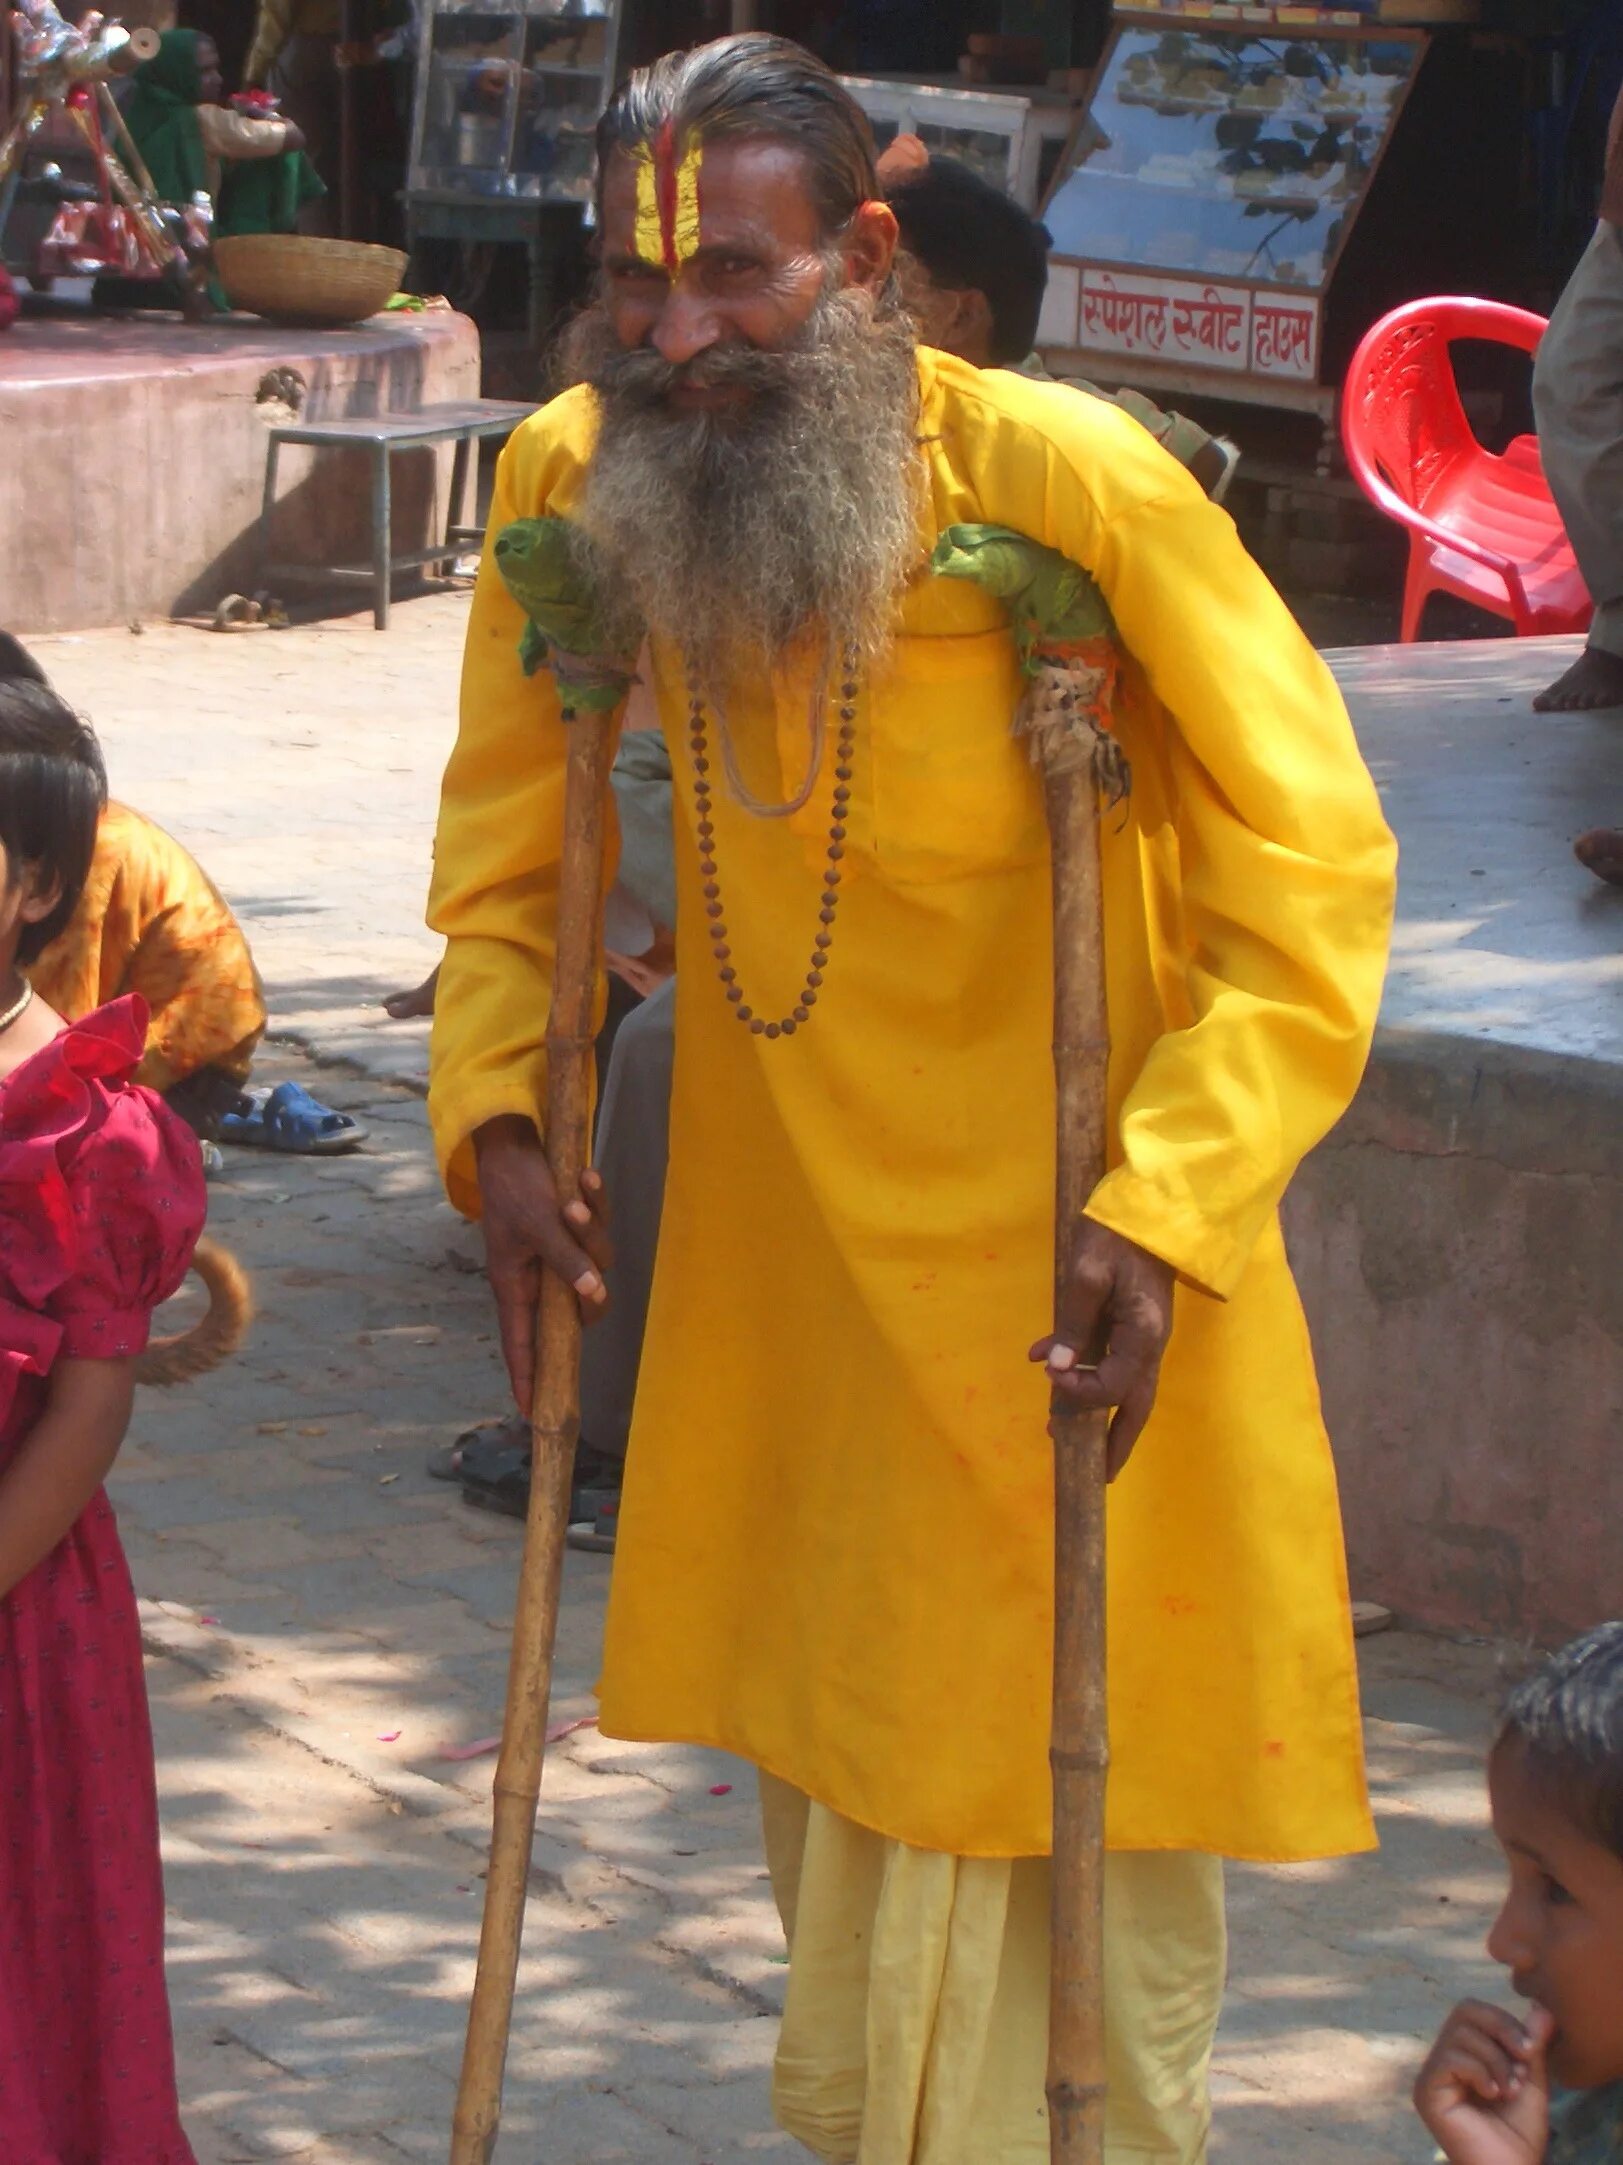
<point>665,192</point>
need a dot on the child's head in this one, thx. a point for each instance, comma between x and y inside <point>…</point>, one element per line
<point>1555,1777</point>
<point>52,789</point>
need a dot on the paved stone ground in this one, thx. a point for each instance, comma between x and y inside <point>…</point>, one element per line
<point>325,1620</point>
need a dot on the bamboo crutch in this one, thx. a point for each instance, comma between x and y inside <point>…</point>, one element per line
<point>1066,642</point>
<point>1067,752</point>
<point>555,1422</point>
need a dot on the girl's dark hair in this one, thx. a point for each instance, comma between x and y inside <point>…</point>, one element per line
<point>1567,1719</point>
<point>52,790</point>
<point>971,237</point>
<point>752,84</point>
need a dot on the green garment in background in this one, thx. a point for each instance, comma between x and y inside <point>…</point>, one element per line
<point>161,115</point>
<point>257,195</point>
<point>265,195</point>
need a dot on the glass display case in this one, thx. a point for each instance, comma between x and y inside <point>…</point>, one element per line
<point>1210,189</point>
<point>508,99</point>
<point>1012,138</point>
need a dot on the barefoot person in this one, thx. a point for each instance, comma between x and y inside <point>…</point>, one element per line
<point>1578,399</point>
<point>835,1549</point>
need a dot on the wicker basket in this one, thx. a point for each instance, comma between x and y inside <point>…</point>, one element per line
<point>298,278</point>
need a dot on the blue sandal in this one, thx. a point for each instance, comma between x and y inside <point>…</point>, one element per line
<point>288,1118</point>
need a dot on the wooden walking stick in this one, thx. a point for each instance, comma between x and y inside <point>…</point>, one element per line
<point>555,1423</point>
<point>591,695</point>
<point>1079,1747</point>
<point>1065,638</point>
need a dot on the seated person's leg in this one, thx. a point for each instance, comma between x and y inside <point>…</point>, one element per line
<point>632,1140</point>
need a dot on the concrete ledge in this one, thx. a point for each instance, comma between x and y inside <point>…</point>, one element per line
<point>1457,1237</point>
<point>137,455</point>
<point>1456,1243</point>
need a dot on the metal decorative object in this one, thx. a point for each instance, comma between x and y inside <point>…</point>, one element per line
<point>123,227</point>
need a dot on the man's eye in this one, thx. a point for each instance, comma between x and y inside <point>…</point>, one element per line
<point>1554,1892</point>
<point>736,266</point>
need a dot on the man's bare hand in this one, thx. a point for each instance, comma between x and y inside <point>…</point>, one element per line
<point>528,1230</point>
<point>1110,1334</point>
<point>1484,2092</point>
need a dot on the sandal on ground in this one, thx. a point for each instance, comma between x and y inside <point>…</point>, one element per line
<point>493,1471</point>
<point>288,1118</point>
<point>445,1460</point>
<point>497,1480</point>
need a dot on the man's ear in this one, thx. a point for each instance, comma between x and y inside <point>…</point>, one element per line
<point>961,323</point>
<point>870,245</point>
<point>973,327</point>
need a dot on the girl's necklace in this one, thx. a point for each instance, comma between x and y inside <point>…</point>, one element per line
<point>18,1008</point>
<point>714,908</point>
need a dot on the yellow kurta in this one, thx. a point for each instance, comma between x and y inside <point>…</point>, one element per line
<point>835,1544</point>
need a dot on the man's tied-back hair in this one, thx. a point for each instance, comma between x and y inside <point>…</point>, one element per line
<point>752,84</point>
<point>1567,1719</point>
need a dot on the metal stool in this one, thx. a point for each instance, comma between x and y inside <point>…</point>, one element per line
<point>462,423</point>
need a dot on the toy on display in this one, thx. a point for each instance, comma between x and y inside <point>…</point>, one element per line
<point>116,222</point>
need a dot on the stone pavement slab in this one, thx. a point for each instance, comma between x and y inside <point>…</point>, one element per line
<point>302,768</point>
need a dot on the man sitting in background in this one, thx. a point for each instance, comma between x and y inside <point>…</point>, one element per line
<point>974,269</point>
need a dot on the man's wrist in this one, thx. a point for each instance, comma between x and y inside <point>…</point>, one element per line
<point>506,1131</point>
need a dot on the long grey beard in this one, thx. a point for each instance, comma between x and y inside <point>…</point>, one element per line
<point>743,534</point>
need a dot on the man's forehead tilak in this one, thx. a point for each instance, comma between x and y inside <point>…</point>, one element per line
<point>668,199</point>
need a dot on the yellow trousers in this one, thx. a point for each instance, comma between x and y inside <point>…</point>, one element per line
<point>915,2030</point>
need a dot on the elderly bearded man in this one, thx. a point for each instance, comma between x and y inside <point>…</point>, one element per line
<point>835,1548</point>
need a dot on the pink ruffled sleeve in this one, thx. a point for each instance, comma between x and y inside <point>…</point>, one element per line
<point>138,1201</point>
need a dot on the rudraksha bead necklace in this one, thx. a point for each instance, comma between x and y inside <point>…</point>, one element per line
<point>715,908</point>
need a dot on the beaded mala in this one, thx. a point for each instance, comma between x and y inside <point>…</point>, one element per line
<point>715,908</point>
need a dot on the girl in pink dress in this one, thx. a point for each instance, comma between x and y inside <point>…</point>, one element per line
<point>101,1203</point>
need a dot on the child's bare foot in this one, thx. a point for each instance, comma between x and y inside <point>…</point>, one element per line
<point>404,1006</point>
<point>1594,680</point>
<point>1601,852</point>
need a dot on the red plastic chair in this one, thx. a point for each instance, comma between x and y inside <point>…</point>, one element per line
<point>1481,525</point>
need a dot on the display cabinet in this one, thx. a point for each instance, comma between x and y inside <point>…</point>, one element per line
<point>1207,196</point>
<point>1012,138</point>
<point>508,99</point>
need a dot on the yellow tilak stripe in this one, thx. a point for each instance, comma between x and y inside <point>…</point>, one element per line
<point>650,245</point>
<point>654,243</point>
<point>685,231</point>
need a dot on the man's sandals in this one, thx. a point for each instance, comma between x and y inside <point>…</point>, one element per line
<point>491,1466</point>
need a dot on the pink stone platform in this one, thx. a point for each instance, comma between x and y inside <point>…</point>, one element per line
<point>134,462</point>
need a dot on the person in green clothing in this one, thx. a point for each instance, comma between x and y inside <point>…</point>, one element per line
<point>253,169</point>
<point>1546,2087</point>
